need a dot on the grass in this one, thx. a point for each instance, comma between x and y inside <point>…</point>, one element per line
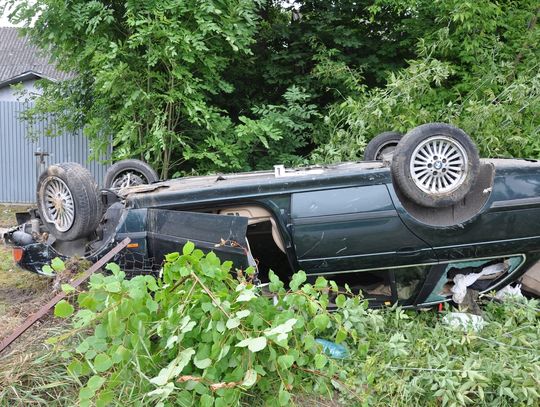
<point>21,291</point>
<point>30,372</point>
<point>7,214</point>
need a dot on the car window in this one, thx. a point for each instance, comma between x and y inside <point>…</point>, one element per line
<point>385,286</point>
<point>408,281</point>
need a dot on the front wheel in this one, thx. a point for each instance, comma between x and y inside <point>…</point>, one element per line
<point>435,165</point>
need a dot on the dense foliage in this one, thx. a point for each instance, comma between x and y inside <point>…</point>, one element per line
<point>477,66</point>
<point>144,71</point>
<point>198,335</point>
<point>242,84</point>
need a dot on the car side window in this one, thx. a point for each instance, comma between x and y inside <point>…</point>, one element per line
<point>408,281</point>
<point>385,286</point>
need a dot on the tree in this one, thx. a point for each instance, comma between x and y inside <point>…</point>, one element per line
<point>144,72</point>
<point>240,84</point>
<point>476,66</point>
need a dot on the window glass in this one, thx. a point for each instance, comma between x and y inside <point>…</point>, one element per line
<point>409,280</point>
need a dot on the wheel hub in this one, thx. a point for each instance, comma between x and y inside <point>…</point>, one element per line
<point>438,165</point>
<point>58,204</point>
<point>129,179</point>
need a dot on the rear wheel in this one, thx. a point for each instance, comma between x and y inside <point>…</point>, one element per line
<point>382,145</point>
<point>68,201</point>
<point>435,165</point>
<point>128,173</point>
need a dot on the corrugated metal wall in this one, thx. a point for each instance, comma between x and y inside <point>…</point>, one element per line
<point>18,164</point>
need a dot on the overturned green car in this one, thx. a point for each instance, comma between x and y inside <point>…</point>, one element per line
<point>398,230</point>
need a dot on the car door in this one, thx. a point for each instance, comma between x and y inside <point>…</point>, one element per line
<point>507,222</point>
<point>157,232</point>
<point>351,229</point>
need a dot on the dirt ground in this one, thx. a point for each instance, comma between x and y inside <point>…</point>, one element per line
<point>21,292</point>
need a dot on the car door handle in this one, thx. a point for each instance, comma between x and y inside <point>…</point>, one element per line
<point>408,251</point>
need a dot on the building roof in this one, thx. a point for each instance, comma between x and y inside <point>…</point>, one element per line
<point>20,59</point>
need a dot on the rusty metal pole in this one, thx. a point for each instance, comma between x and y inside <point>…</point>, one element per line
<point>43,310</point>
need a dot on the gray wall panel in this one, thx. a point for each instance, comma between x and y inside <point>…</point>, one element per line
<point>18,165</point>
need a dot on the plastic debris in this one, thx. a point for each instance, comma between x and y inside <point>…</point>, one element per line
<point>464,321</point>
<point>333,349</point>
<point>509,291</point>
<point>462,281</point>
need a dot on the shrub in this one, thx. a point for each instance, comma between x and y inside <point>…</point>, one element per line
<point>203,334</point>
<point>200,335</point>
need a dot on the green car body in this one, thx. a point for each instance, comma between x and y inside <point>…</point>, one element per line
<point>345,222</point>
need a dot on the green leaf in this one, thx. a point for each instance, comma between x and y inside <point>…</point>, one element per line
<point>63,309</point>
<point>250,378</point>
<point>67,288</point>
<point>284,397</point>
<point>95,382</point>
<point>188,248</point>
<point>202,364</point>
<point>58,265</point>
<point>172,257</point>
<point>282,328</point>
<point>105,398</point>
<point>206,401</point>
<point>243,313</point>
<point>47,270</point>
<point>297,279</point>
<point>309,342</point>
<point>174,368</point>
<point>82,347</point>
<point>102,362</point>
<point>162,392</point>
<point>340,300</point>
<point>233,323</point>
<point>113,268</point>
<point>223,352</point>
<point>171,341</point>
<point>152,305</point>
<point>253,344</point>
<point>186,324</point>
<point>321,321</point>
<point>321,283</point>
<point>320,361</point>
<point>245,296</point>
<point>87,300</point>
<point>285,361</point>
<point>75,368</point>
<point>121,354</point>
<point>275,283</point>
<point>113,287</point>
<point>341,335</point>
<point>85,394</point>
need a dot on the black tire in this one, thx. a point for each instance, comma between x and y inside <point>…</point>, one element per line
<point>443,178</point>
<point>382,144</point>
<point>68,201</point>
<point>129,173</point>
